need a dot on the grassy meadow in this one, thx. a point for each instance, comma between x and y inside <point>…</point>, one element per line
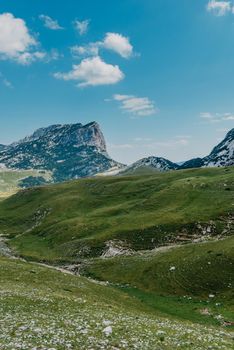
<point>154,254</point>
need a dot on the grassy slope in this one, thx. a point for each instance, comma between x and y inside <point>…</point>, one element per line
<point>46,309</point>
<point>55,222</point>
<point>9,180</point>
<point>67,221</point>
<point>177,281</point>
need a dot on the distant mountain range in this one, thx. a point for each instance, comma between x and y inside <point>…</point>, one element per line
<point>221,155</point>
<point>73,151</point>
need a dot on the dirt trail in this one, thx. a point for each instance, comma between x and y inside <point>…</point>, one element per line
<point>6,251</point>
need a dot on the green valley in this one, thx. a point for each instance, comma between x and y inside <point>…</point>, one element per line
<point>148,253</point>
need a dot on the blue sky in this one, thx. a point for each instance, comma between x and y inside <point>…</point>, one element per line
<point>158,75</point>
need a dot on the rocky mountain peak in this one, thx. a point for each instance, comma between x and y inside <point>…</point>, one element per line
<point>223,153</point>
<point>68,151</point>
<point>157,163</point>
<point>68,134</point>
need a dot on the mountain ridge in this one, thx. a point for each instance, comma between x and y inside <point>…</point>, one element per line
<point>221,155</point>
<point>69,151</point>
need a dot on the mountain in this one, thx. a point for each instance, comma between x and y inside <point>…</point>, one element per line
<point>68,151</point>
<point>192,163</point>
<point>2,147</point>
<point>72,151</point>
<point>221,155</point>
<point>150,164</point>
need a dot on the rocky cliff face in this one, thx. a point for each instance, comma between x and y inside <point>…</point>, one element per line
<point>223,153</point>
<point>68,151</point>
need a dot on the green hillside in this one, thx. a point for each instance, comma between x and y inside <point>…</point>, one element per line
<point>162,291</point>
<point>78,219</point>
<point>45,309</point>
<point>10,180</point>
<point>180,281</point>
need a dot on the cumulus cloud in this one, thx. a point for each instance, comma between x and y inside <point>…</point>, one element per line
<point>112,41</point>
<point>50,23</point>
<point>16,42</point>
<point>219,8</point>
<point>118,43</point>
<point>81,26</point>
<point>15,39</point>
<point>216,117</point>
<point>92,72</point>
<point>139,106</point>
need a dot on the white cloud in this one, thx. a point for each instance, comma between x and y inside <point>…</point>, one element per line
<point>53,55</point>
<point>112,41</point>
<point>92,49</point>
<point>228,117</point>
<point>219,8</point>
<point>206,115</point>
<point>5,81</point>
<point>118,43</point>
<point>50,22</point>
<point>81,26</point>
<point>28,57</point>
<point>92,72</point>
<point>216,117</point>
<point>139,106</point>
<point>16,42</point>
